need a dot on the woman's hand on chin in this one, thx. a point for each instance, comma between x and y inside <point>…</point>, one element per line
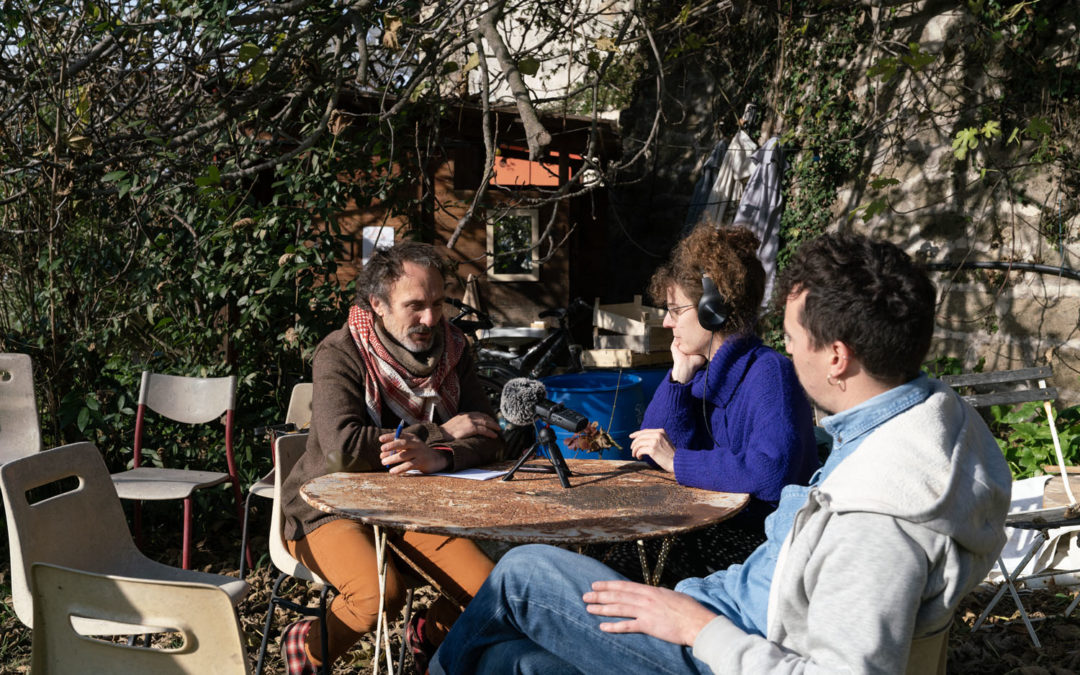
<point>684,365</point>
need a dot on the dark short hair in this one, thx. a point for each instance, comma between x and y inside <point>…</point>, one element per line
<point>729,256</point>
<point>387,265</point>
<point>869,295</point>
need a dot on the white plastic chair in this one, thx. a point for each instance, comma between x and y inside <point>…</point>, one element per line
<point>287,451</point>
<point>20,434</point>
<point>81,525</point>
<point>297,419</point>
<point>191,400</point>
<point>201,613</point>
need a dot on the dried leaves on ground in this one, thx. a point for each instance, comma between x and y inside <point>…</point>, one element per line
<point>1002,646</point>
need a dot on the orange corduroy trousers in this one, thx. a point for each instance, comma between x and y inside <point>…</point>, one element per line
<point>343,553</point>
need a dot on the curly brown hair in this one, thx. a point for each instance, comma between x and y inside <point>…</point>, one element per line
<point>868,294</point>
<point>728,255</point>
<point>387,265</point>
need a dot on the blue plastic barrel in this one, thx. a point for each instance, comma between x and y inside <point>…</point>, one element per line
<point>611,399</point>
<point>651,378</point>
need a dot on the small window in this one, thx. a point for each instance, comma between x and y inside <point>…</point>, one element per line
<point>512,239</point>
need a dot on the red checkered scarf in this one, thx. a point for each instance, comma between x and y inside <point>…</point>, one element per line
<point>387,381</point>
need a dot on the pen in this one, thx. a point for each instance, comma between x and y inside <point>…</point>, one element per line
<point>397,432</point>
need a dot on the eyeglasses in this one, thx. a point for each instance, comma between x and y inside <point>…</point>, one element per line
<point>677,310</point>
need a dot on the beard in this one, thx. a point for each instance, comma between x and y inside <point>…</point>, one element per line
<point>424,344</point>
<point>418,339</point>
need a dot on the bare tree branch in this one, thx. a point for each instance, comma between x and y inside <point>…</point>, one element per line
<point>489,148</point>
<point>536,135</point>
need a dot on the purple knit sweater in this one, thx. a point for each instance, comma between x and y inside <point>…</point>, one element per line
<point>762,434</point>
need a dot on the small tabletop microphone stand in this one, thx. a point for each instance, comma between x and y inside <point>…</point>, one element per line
<point>545,438</point>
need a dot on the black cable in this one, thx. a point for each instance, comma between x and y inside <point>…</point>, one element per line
<point>705,390</point>
<point>1005,266</point>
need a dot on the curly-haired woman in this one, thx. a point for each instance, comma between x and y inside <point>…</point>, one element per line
<point>731,416</point>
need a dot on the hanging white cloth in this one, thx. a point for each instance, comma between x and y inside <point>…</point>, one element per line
<point>762,205</point>
<point>700,199</point>
<point>731,178</point>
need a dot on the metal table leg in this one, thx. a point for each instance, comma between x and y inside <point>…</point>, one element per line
<point>382,624</point>
<point>653,579</point>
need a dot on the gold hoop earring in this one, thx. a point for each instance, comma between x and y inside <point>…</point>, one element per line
<point>830,380</point>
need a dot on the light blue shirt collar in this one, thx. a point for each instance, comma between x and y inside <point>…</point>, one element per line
<point>741,592</point>
<point>845,427</point>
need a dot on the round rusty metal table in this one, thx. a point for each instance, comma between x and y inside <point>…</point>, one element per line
<point>608,501</point>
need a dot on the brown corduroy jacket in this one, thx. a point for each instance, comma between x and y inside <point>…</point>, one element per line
<point>343,437</point>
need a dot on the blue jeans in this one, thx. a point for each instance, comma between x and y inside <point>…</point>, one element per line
<point>529,618</point>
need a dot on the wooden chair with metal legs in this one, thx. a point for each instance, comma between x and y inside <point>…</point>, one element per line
<point>297,420</point>
<point>1022,386</point>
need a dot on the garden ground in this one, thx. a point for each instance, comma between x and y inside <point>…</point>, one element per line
<point>999,648</point>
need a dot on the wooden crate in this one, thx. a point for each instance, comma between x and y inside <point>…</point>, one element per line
<point>630,326</point>
<point>623,358</point>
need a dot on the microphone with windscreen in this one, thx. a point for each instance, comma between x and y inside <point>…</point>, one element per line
<point>525,400</point>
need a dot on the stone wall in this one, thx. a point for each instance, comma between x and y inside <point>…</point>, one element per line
<point>1010,199</point>
<point>1003,202</point>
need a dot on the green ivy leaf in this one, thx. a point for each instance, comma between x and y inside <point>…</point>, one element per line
<point>873,208</point>
<point>249,51</point>
<point>113,176</point>
<point>966,139</point>
<point>916,58</point>
<point>880,183</point>
<point>259,68</point>
<point>1038,127</point>
<point>211,177</point>
<point>885,68</point>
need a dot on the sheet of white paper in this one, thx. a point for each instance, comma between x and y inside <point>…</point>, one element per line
<point>471,474</point>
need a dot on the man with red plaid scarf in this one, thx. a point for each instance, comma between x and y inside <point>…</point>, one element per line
<point>396,365</point>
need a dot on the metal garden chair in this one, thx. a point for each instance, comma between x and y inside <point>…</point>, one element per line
<point>191,400</point>
<point>1021,386</point>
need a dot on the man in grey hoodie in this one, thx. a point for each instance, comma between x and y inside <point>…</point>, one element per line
<point>862,568</point>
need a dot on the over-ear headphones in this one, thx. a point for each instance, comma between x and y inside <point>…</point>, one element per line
<point>713,309</point>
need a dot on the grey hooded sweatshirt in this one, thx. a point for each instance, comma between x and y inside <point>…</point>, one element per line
<point>883,550</point>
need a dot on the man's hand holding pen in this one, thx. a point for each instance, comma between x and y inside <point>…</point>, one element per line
<point>403,451</point>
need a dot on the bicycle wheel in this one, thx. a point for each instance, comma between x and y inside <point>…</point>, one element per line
<point>518,438</point>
